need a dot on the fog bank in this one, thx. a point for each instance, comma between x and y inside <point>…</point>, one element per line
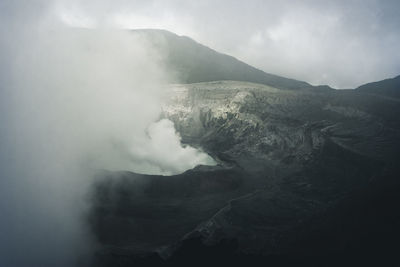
<point>72,102</point>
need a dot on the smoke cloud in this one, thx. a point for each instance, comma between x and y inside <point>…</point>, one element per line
<point>72,101</point>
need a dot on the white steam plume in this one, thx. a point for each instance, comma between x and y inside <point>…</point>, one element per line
<point>73,101</point>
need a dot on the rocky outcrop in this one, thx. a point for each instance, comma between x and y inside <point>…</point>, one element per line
<point>235,118</point>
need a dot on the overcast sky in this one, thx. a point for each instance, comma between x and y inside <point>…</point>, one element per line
<point>340,43</point>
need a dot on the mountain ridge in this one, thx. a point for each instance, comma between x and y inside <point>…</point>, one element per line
<point>387,87</point>
<point>189,58</point>
<point>194,62</point>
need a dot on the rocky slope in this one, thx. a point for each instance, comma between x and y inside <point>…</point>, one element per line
<point>297,171</point>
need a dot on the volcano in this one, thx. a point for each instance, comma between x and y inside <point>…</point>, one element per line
<point>306,175</point>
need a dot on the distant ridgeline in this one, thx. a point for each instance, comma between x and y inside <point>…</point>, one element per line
<point>388,87</point>
<point>193,62</point>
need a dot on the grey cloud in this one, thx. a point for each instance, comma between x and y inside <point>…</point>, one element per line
<point>340,43</point>
<point>67,96</point>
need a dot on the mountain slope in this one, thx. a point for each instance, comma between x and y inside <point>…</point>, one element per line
<point>388,87</point>
<point>193,62</point>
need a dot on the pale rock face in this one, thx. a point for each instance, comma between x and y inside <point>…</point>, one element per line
<point>239,111</point>
<point>270,123</point>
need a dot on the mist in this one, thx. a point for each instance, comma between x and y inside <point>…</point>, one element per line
<point>73,101</point>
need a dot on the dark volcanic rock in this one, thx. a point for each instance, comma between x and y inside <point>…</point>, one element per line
<point>304,177</point>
